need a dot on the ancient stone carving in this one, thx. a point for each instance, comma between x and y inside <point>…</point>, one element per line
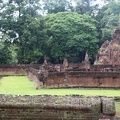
<point>45,60</point>
<point>109,53</point>
<point>65,64</point>
<point>43,73</point>
<point>86,62</point>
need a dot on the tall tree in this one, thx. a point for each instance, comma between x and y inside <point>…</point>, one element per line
<point>86,7</point>
<point>111,19</point>
<point>70,35</point>
<point>7,55</point>
<point>55,6</point>
<point>18,18</point>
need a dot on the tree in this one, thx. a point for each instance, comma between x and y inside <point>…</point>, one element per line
<point>32,41</point>
<point>8,54</point>
<point>86,7</point>
<point>111,19</point>
<point>70,35</point>
<point>55,6</point>
<point>18,18</point>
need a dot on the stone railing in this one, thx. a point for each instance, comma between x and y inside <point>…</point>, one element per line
<point>48,107</point>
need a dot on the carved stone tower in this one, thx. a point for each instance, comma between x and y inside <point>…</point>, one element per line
<point>109,53</point>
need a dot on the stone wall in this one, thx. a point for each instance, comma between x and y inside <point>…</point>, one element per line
<point>12,70</point>
<point>80,79</point>
<point>34,76</point>
<point>105,68</point>
<point>84,79</point>
<point>16,69</point>
<point>98,76</point>
<point>48,107</point>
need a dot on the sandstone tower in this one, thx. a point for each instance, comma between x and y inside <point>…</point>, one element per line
<point>109,53</point>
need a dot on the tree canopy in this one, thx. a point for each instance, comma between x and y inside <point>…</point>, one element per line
<point>30,29</point>
<point>70,34</point>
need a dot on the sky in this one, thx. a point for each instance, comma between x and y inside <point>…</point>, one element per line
<point>99,1</point>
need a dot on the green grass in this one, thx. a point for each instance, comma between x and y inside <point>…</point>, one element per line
<point>117,106</point>
<point>20,85</point>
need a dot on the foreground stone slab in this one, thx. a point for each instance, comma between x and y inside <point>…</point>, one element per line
<point>46,107</point>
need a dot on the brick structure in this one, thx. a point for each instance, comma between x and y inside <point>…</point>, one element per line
<point>109,53</point>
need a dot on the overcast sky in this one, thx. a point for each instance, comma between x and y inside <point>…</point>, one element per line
<point>100,1</point>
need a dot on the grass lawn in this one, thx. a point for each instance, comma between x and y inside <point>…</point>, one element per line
<point>20,85</point>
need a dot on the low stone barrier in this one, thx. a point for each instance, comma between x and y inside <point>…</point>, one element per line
<point>46,107</point>
<point>88,79</point>
<point>33,75</point>
<point>12,70</point>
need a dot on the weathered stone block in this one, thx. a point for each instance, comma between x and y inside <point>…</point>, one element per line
<point>108,106</point>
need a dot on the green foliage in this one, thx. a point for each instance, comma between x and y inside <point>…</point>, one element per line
<point>55,6</point>
<point>19,25</point>
<point>70,33</point>
<point>110,20</point>
<point>13,54</point>
<point>117,106</point>
<point>26,36</point>
<point>89,7</point>
<point>7,51</point>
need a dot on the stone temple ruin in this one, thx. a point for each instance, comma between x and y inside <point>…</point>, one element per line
<point>109,53</point>
<point>105,73</point>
